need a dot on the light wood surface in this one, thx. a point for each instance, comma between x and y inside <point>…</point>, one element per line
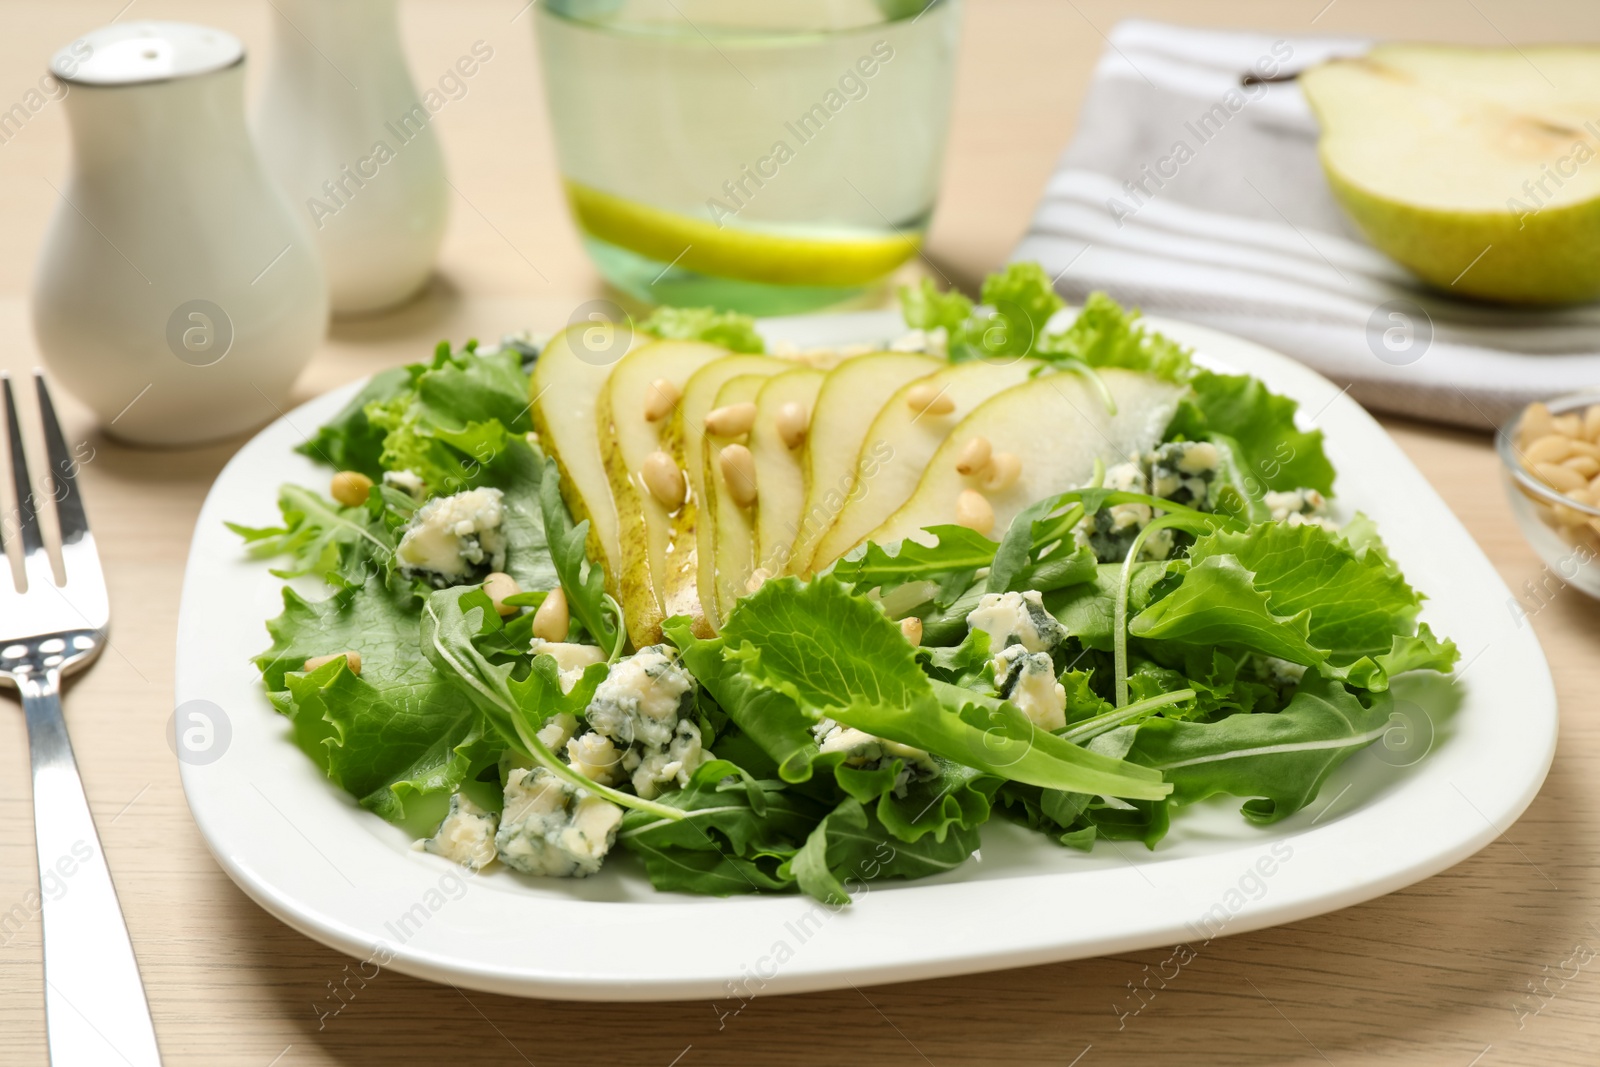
<point>1433,974</point>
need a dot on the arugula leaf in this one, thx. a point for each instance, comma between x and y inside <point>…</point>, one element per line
<point>322,538</point>
<point>583,582</point>
<point>731,330</point>
<point>851,845</point>
<point>1260,429</point>
<point>349,441</point>
<point>452,621</point>
<point>834,654</point>
<point>397,730</point>
<point>1087,610</point>
<point>1280,761</point>
<point>519,472</point>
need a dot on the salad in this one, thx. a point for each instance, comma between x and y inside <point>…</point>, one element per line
<point>789,621</point>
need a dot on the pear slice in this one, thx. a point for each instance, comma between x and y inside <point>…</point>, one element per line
<point>565,388</point>
<point>1474,167</point>
<point>1057,426</point>
<point>912,437</point>
<point>727,569</point>
<point>685,439</point>
<point>779,473</point>
<point>846,405</point>
<point>627,439</point>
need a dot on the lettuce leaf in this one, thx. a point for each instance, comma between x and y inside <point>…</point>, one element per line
<point>835,654</point>
<point>731,330</point>
<point>349,440</point>
<point>395,731</point>
<point>1259,429</point>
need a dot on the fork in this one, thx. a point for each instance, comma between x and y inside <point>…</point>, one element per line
<point>95,1008</point>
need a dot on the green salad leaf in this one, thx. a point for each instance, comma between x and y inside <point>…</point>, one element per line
<point>395,731</point>
<point>349,441</point>
<point>1259,430</point>
<point>322,538</point>
<point>836,655</point>
<point>731,330</point>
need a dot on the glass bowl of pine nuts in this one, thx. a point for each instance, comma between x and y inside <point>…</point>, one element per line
<point>1550,456</point>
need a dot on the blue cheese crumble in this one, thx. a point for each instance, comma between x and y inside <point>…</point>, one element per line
<point>1016,619</point>
<point>571,659</point>
<point>863,750</point>
<point>644,708</point>
<point>466,836</point>
<point>1028,680</point>
<point>452,537</point>
<point>550,828</point>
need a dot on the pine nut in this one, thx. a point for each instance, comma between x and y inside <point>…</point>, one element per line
<point>1582,496</point>
<point>350,488</point>
<point>660,400</point>
<point>1594,486</point>
<point>1591,422</point>
<point>664,480</point>
<point>1551,448</point>
<point>974,456</point>
<point>499,586</point>
<point>911,626</point>
<point>1536,422</point>
<point>552,620</point>
<point>732,420</point>
<point>792,424</point>
<point>1002,473</point>
<point>974,512</point>
<point>1563,478</point>
<point>1584,448</point>
<point>739,474</point>
<point>352,661</point>
<point>1570,424</point>
<point>926,399</point>
<point>1570,516</point>
<point>1587,466</point>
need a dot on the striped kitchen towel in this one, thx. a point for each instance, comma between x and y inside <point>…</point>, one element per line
<point>1192,189</point>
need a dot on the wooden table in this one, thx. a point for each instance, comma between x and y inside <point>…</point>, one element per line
<point>1429,975</point>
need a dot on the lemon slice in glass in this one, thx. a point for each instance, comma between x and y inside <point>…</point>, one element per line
<point>773,257</point>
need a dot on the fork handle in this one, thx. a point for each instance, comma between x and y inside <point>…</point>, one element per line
<point>95,1007</point>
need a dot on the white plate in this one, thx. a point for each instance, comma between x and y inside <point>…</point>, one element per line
<point>310,856</point>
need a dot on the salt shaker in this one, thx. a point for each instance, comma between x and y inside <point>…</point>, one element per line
<point>344,130</point>
<point>177,294</point>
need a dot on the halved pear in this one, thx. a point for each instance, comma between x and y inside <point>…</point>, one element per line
<point>727,569</point>
<point>1474,167</point>
<point>1057,426</point>
<point>902,440</point>
<point>780,478</point>
<point>627,438</point>
<point>847,403</point>
<point>686,440</point>
<point>564,391</point>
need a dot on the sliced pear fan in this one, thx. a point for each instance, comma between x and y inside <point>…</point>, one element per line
<point>567,382</point>
<point>642,382</point>
<point>1057,426</point>
<point>778,463</point>
<point>847,403</point>
<point>901,441</point>
<point>727,568</point>
<point>686,441</point>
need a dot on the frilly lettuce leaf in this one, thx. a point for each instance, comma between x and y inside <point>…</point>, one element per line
<point>731,330</point>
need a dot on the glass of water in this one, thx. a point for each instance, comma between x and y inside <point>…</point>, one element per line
<point>764,156</point>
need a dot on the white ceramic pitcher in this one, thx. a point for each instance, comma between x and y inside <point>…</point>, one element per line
<point>176,294</point>
<point>343,129</point>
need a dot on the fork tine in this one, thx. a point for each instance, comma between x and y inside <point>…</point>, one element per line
<point>63,482</point>
<point>27,524</point>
